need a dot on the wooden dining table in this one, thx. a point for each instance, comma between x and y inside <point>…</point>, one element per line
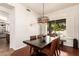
<point>38,45</point>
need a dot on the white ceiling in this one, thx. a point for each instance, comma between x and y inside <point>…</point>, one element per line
<point>6,5</point>
<point>48,7</point>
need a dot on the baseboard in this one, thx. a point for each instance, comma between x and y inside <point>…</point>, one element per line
<point>67,46</point>
<point>12,49</point>
<point>70,46</point>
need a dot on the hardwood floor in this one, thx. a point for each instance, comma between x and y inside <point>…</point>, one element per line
<point>69,51</point>
<point>65,51</point>
<point>22,52</point>
<point>4,48</point>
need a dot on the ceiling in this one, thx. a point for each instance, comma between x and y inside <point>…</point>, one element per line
<point>6,5</point>
<point>48,7</point>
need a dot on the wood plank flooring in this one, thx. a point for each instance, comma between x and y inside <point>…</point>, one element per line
<point>65,51</point>
<point>4,48</point>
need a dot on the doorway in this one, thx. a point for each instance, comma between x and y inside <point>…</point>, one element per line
<point>4,33</point>
<point>5,24</point>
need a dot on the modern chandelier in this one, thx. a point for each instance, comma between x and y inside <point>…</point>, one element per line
<point>43,18</point>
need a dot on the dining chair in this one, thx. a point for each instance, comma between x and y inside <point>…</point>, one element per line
<point>39,36</point>
<point>32,38</point>
<point>52,51</point>
<point>57,44</point>
<point>58,47</point>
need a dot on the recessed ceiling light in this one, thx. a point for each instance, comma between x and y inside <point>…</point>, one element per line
<point>28,10</point>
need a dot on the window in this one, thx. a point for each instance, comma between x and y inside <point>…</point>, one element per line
<point>56,25</point>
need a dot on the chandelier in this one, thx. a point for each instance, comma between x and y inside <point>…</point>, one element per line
<point>43,19</point>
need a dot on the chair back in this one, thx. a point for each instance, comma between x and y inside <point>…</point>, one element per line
<point>54,45</point>
<point>32,37</point>
<point>58,42</point>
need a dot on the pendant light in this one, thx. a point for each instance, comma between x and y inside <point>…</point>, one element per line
<point>43,19</point>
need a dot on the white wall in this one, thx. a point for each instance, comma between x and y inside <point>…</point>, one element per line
<point>24,24</point>
<point>72,21</point>
<point>12,28</point>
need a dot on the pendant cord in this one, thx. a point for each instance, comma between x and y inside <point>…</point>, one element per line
<point>43,9</point>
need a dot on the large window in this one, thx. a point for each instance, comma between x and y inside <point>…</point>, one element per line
<point>57,25</point>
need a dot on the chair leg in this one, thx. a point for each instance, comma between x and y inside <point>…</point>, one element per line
<point>30,50</point>
<point>55,53</point>
<point>58,52</point>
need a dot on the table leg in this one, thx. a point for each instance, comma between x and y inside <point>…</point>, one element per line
<point>38,52</point>
<point>35,51</point>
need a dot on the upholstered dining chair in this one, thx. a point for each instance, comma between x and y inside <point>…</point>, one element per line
<point>58,47</point>
<point>52,51</point>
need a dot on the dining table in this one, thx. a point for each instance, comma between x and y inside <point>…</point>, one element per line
<point>39,44</point>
